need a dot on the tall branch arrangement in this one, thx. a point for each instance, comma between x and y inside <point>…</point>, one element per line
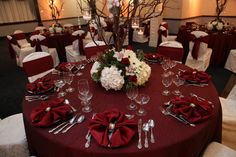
<point>220,6</point>
<point>55,10</point>
<point>121,13</point>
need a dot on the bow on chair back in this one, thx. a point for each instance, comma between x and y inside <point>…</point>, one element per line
<point>37,65</point>
<point>21,39</point>
<point>196,39</point>
<point>11,43</point>
<point>77,41</point>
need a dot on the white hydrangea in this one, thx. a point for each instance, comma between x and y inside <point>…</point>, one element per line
<point>95,67</point>
<point>220,26</point>
<point>111,78</point>
<point>143,73</point>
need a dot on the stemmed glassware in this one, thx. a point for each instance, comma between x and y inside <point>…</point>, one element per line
<point>165,65</point>
<point>69,66</point>
<point>69,79</point>
<point>59,84</point>
<point>178,82</point>
<point>85,95</point>
<point>79,67</point>
<point>132,93</point>
<point>166,81</point>
<point>142,99</point>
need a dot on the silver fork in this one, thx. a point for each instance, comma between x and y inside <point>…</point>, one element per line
<point>68,103</point>
<point>88,136</point>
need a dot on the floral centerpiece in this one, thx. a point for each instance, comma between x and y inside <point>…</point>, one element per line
<point>120,70</point>
<point>216,25</point>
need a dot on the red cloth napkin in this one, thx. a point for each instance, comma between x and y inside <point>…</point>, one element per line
<point>195,76</point>
<point>41,85</point>
<point>153,57</point>
<point>123,131</point>
<point>191,108</point>
<point>62,67</point>
<point>50,112</point>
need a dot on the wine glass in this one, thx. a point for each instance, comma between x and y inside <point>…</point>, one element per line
<point>69,66</point>
<point>83,86</point>
<point>69,79</point>
<point>79,67</point>
<point>178,82</point>
<point>142,99</point>
<point>85,101</point>
<point>59,84</point>
<point>165,65</point>
<point>132,93</point>
<point>166,81</point>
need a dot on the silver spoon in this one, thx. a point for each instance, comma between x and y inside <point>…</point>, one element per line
<point>68,103</point>
<point>79,120</point>
<point>146,130</point>
<point>151,124</point>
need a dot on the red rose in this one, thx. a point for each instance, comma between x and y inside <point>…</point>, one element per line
<point>133,78</point>
<point>125,61</point>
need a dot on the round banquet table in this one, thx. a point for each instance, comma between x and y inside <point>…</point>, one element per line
<point>173,139</point>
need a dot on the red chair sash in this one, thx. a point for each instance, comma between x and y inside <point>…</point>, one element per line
<point>80,42</point>
<point>19,36</point>
<point>173,53</point>
<point>93,51</point>
<point>196,45</point>
<point>38,66</point>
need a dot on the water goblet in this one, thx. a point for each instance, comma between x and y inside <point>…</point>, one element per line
<point>166,81</point>
<point>83,86</point>
<point>132,93</point>
<point>69,79</point>
<point>178,82</point>
<point>79,67</point>
<point>142,99</point>
<point>165,65</point>
<point>86,101</point>
<point>59,84</point>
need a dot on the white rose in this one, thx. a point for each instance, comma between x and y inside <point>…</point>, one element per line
<point>95,67</point>
<point>219,26</point>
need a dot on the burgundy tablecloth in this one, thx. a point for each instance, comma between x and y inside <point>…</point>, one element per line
<point>220,43</point>
<point>173,139</point>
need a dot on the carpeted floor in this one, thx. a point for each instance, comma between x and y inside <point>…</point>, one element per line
<point>13,80</point>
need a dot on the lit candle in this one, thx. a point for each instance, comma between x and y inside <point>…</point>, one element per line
<point>140,32</point>
<point>87,15</point>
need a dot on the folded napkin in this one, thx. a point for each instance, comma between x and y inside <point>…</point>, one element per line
<point>41,85</point>
<point>112,128</point>
<point>191,108</point>
<point>62,67</point>
<point>152,57</point>
<point>194,76</point>
<point>49,112</point>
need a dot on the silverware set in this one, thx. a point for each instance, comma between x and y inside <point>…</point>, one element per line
<point>88,136</point>
<point>145,127</point>
<point>31,98</point>
<point>180,118</point>
<point>65,126</point>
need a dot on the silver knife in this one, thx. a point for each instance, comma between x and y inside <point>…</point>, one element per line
<point>139,134</point>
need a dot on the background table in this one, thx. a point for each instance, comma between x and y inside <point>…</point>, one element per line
<point>220,43</point>
<point>172,137</point>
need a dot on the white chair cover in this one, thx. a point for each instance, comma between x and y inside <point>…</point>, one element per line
<point>95,43</point>
<point>175,44</point>
<point>231,61</point>
<point>18,31</point>
<point>164,28</point>
<point>228,122</point>
<point>38,56</point>
<point>68,25</point>
<point>13,141</point>
<point>21,53</point>
<point>72,51</point>
<point>204,53</point>
<point>40,28</point>
<point>44,48</point>
<point>215,149</point>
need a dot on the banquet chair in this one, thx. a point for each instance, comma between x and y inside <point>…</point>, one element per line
<point>199,54</point>
<point>19,36</point>
<point>17,52</point>
<point>74,52</point>
<point>13,141</point>
<point>68,25</point>
<point>93,48</point>
<point>228,122</point>
<point>215,149</point>
<point>164,33</point>
<point>37,65</point>
<point>171,49</point>
<point>231,61</point>
<point>41,45</point>
<point>41,29</point>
